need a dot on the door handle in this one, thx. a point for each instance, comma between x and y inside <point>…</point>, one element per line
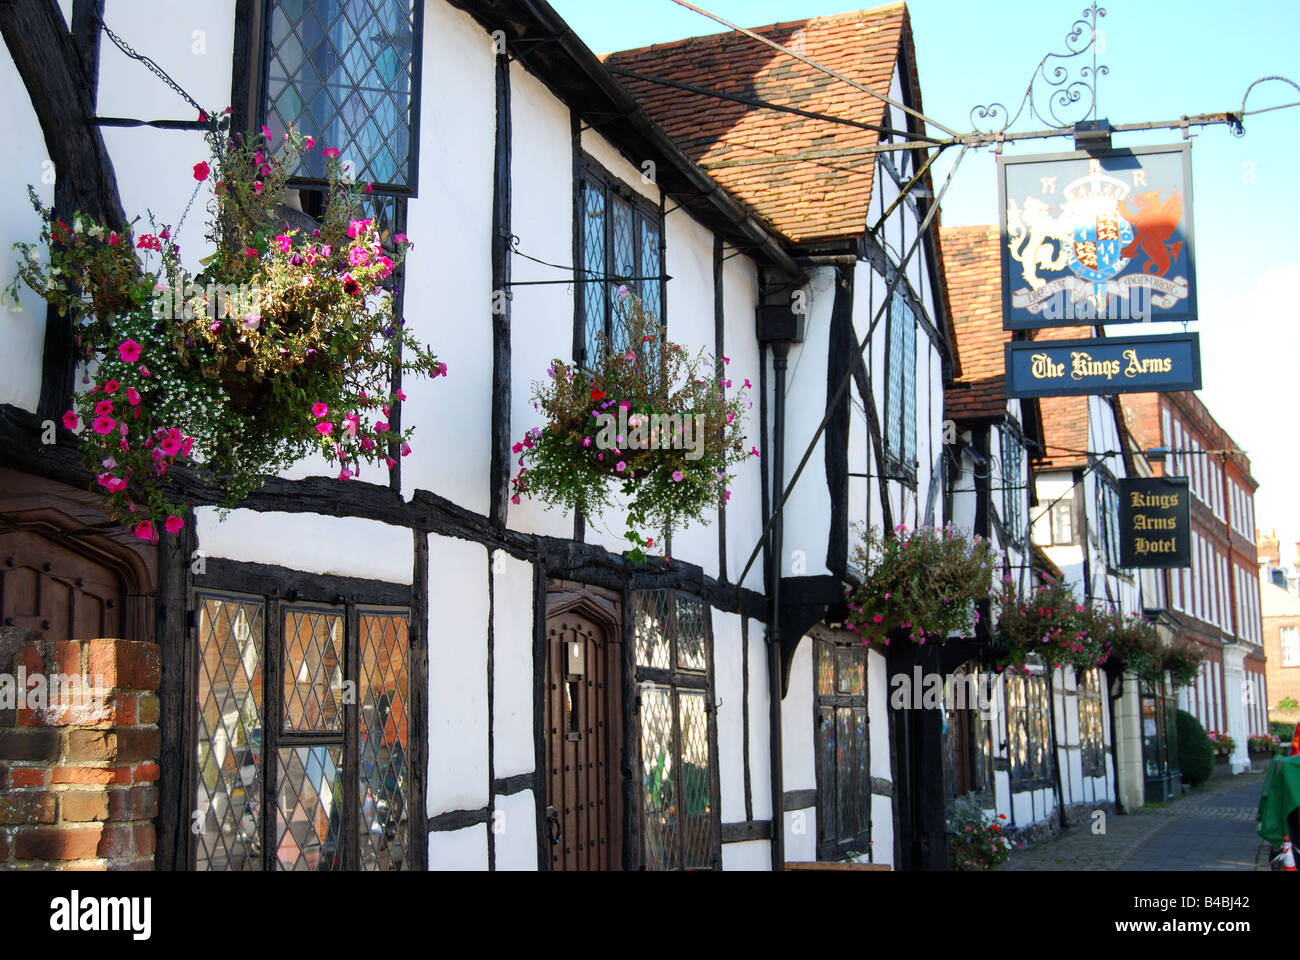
<point>553,826</point>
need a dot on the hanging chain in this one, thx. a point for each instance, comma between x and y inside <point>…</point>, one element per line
<point>153,68</point>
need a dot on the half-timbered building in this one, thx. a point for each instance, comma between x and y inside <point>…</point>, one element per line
<point>410,671</point>
<point>1043,752</point>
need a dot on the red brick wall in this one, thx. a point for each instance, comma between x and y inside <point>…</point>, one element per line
<point>78,780</point>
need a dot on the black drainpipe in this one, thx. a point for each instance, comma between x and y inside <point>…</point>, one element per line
<point>780,354</point>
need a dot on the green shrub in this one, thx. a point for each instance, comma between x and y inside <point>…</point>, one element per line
<point>1195,752</point>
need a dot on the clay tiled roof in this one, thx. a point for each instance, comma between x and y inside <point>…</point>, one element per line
<point>823,191</point>
<point>971,264</point>
<point>1065,419</point>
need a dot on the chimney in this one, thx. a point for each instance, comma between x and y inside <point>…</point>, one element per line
<point>1269,549</point>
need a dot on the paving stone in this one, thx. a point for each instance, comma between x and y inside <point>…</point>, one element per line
<point>1212,828</point>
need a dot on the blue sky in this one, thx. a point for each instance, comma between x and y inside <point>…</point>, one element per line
<point>1165,59</point>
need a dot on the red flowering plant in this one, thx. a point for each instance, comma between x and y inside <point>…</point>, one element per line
<point>1050,624</point>
<point>1183,661</point>
<point>1134,644</point>
<point>285,342</point>
<point>646,419</point>
<point>976,840</point>
<point>924,583</point>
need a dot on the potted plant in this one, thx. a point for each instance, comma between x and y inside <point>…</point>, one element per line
<point>283,343</point>
<point>921,584</point>
<point>1223,744</point>
<point>647,420</point>
<point>976,840</point>
<point>1050,624</point>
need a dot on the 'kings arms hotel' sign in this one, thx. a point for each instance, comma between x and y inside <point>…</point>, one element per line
<point>1155,522</point>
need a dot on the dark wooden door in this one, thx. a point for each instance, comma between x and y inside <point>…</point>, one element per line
<point>583,743</point>
<point>53,591</point>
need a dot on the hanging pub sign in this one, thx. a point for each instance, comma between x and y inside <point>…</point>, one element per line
<point>1097,237</point>
<point>1155,522</point>
<point>1104,366</point>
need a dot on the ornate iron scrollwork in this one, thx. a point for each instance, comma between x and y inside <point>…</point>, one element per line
<point>1055,94</point>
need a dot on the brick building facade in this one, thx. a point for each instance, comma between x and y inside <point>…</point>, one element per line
<point>1217,599</point>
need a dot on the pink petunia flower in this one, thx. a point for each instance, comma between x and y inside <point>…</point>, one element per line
<point>319,409</point>
<point>330,153</point>
<point>174,524</point>
<point>104,424</point>
<point>677,476</point>
<point>144,530</point>
<point>201,171</point>
<point>71,420</point>
<point>325,428</point>
<point>103,408</point>
<point>129,351</point>
<point>110,386</point>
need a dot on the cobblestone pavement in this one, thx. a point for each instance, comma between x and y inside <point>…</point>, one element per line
<point>1212,828</point>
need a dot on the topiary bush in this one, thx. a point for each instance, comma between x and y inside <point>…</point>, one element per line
<point>1195,752</point>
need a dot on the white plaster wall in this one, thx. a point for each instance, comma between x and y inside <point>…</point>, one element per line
<point>541,316</point>
<point>458,716</point>
<point>878,718</point>
<point>193,42</point>
<point>801,835</point>
<point>449,275</point>
<point>760,725</point>
<point>808,509</point>
<point>882,830</point>
<point>516,831</point>
<point>689,261</point>
<point>22,325</point>
<point>799,771</point>
<point>749,855</point>
<point>512,664</point>
<point>340,546</point>
<point>729,689</point>
<point>613,160</point>
<point>745,509</point>
<point>459,849</point>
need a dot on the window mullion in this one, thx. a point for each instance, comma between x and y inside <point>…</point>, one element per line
<point>350,841</point>
<point>272,722</point>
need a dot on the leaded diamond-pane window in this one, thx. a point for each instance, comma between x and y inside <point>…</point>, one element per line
<point>1013,460</point>
<point>680,824</point>
<point>1029,730</point>
<point>842,754</point>
<point>346,72</point>
<point>226,824</point>
<point>900,382</point>
<point>620,236</point>
<point>339,722</point>
<point>1091,723</point>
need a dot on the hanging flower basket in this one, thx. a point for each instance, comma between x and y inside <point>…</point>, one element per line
<point>647,421</point>
<point>1050,624</point>
<point>285,342</point>
<point>1134,644</point>
<point>923,584</point>
<point>1183,661</point>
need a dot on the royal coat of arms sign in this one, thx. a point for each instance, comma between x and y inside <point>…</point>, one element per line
<point>1097,237</point>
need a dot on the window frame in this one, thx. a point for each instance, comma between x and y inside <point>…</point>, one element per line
<point>1283,634</point>
<point>1107,491</point>
<point>1092,749</point>
<point>588,169</point>
<point>251,584</point>
<point>1013,489</point>
<point>675,679</point>
<point>1040,770</point>
<point>259,84</point>
<point>838,847</point>
<point>900,461</point>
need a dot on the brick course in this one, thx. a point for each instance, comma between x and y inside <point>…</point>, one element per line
<point>78,780</point>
